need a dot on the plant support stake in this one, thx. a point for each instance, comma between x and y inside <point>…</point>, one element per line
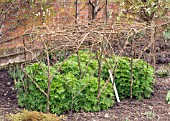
<point>114,87</point>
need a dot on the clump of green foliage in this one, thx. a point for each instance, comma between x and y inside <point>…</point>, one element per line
<point>166,34</point>
<point>142,74</point>
<point>32,116</point>
<point>75,85</point>
<point>163,71</point>
<point>168,97</point>
<point>15,72</point>
<point>150,114</point>
<point>70,90</point>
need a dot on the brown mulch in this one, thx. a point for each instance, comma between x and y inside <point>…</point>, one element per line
<point>153,109</point>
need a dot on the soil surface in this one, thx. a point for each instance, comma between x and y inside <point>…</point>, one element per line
<point>153,109</point>
<point>8,100</point>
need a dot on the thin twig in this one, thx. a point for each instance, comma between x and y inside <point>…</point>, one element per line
<point>34,82</point>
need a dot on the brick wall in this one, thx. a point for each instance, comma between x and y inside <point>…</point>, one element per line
<point>25,17</point>
<point>62,12</point>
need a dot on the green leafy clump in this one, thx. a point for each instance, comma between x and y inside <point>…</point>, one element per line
<point>75,85</point>
<point>70,90</point>
<point>163,71</point>
<point>166,34</point>
<point>142,74</point>
<point>168,97</point>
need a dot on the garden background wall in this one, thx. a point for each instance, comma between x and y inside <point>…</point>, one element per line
<point>59,12</point>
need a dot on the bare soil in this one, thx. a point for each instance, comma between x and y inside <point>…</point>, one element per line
<point>8,100</point>
<point>153,109</point>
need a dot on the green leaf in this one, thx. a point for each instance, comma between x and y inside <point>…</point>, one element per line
<point>168,97</point>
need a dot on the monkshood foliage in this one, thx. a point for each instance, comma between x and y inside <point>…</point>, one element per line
<point>142,77</point>
<point>75,85</point>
